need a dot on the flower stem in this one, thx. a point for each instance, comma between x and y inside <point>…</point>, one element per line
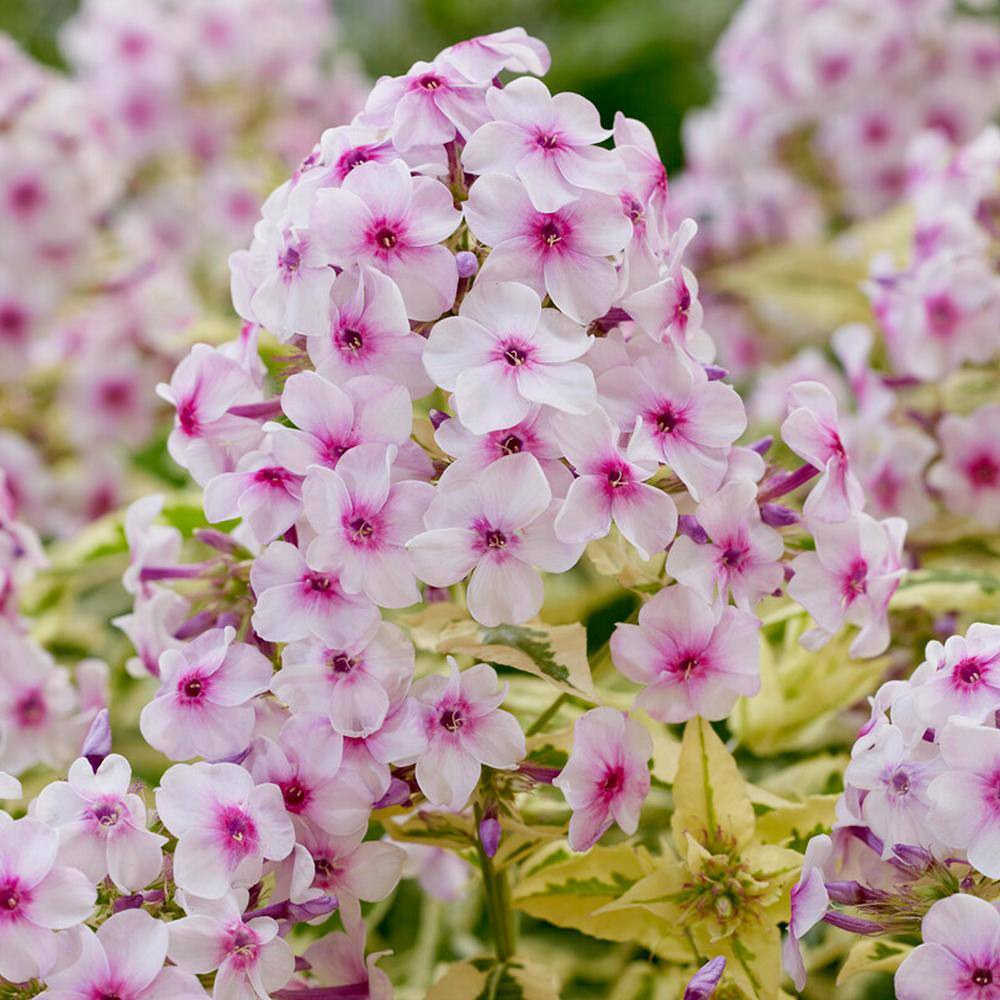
<point>499,911</point>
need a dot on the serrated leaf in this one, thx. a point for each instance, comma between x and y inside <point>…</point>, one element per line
<point>873,955</point>
<point>792,823</point>
<point>434,829</point>
<point>710,796</point>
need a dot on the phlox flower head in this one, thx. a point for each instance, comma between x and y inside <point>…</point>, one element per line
<point>465,728</point>
<point>693,658</point>
<point>606,779</point>
<point>102,824</point>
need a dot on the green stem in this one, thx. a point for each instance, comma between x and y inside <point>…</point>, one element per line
<point>499,911</point>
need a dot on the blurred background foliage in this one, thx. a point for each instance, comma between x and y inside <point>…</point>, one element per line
<point>649,58</point>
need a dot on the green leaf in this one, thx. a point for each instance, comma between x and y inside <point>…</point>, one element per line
<point>486,979</point>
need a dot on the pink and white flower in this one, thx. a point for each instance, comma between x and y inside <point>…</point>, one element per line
<point>678,415</point>
<point>693,658</point>
<point>504,352</point>
<point>850,579</point>
<point>497,528</point>
<point>226,826</point>
<point>37,898</point>
<point>959,956</point>
<point>123,959</point>
<point>965,797</point>
<point>331,419</point>
<point>466,728</point>
<point>606,779</point>
<point>383,217</point>
<point>742,555</point>
<point>363,524</point>
<point>545,141</point>
<point>102,824</point>
<point>305,763</point>
<point>968,474</point>
<point>432,104</point>
<point>810,900</point>
<point>812,431</point>
<point>369,334</point>
<point>562,254</point>
<point>482,58</point>
<point>297,600</point>
<point>203,707</point>
<point>963,678</point>
<point>356,686</point>
<point>338,960</point>
<point>609,487</point>
<point>251,958</point>
<point>264,494</point>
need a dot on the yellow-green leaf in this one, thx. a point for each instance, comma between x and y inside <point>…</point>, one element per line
<point>487,979</point>
<point>710,797</point>
<point>873,955</point>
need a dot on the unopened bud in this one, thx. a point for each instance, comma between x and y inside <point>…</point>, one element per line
<point>97,742</point>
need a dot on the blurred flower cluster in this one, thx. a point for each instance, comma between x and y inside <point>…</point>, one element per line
<point>125,184</point>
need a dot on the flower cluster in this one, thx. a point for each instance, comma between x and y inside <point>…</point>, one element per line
<point>817,105</point>
<point>915,845</point>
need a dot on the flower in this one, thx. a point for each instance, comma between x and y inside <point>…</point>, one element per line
<point>897,781</point>
<point>545,141</point>
<point>850,577</point>
<point>503,352</point>
<point>465,729</point>
<point>203,706</point>
<point>965,796</point>
<point>608,487</point>
<point>123,959</point>
<point>251,959</point>
<point>606,778</point>
<point>677,414</point>
<point>964,678</point>
<point>226,826</point>
<point>383,217</point>
<point>305,762</point>
<point>810,901</point>
<point>482,58</point>
<point>339,960</point>
<point>812,431</point>
<point>297,600</point>
<point>968,473</point>
<point>695,659</point>
<point>742,554</point>
<point>101,824</point>
<point>330,419</point>
<point>563,254</point>
<point>363,524</point>
<point>37,897</point>
<point>959,956</point>
<point>355,686</point>
<point>497,528</point>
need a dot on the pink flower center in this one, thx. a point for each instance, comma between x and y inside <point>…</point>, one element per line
<point>239,830</point>
<point>107,813</point>
<point>667,419</point>
<point>983,471</point>
<point>290,260</point>
<point>618,476</point>
<point>429,82</point>
<point>295,794</point>
<point>496,539</point>
<point>192,687</point>
<point>244,945</point>
<point>351,159</point>
<point>686,665</point>
<point>351,340</point>
<point>551,231</point>
<point>187,417</point>
<point>515,357</point>
<point>451,719</point>
<point>511,444</point>
<point>683,302</point>
<point>25,196</point>
<point>10,899</point>
<point>734,556</point>
<point>385,238</point>
<point>273,476</point>
<point>13,322</point>
<point>942,314</point>
<point>326,870</point>
<point>548,140</point>
<point>361,530</point>
<point>318,583</point>
<point>982,977</point>
<point>31,710</point>
<point>614,780</point>
<point>900,783</point>
<point>968,671</point>
<point>340,663</point>
<point>856,581</point>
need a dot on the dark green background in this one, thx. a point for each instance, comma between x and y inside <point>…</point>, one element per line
<point>649,58</point>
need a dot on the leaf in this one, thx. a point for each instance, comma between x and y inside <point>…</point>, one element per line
<point>487,979</point>
<point>795,822</point>
<point>942,589</point>
<point>568,889</point>
<point>556,653</point>
<point>435,829</point>
<point>710,797</point>
<point>873,955</point>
